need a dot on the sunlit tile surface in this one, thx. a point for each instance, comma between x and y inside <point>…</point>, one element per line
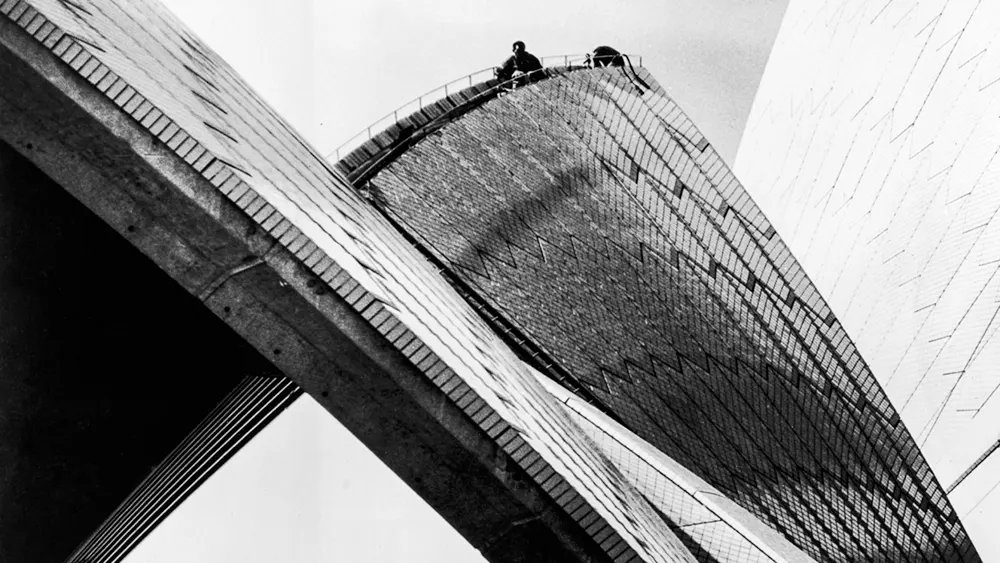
<point>872,145</point>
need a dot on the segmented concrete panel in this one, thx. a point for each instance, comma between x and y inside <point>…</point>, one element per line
<point>873,146</point>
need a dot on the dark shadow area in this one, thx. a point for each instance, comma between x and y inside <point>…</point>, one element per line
<point>105,365</point>
<point>547,201</point>
<point>693,546</point>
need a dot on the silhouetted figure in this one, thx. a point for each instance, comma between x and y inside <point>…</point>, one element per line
<point>606,56</point>
<point>521,62</point>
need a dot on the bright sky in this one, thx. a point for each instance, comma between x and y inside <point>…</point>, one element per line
<point>305,490</point>
<point>333,68</point>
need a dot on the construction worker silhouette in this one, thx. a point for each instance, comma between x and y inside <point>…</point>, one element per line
<point>606,56</point>
<point>521,62</point>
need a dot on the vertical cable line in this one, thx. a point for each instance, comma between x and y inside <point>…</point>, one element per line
<point>254,402</point>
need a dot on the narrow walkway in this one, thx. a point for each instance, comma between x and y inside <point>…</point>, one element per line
<point>365,161</point>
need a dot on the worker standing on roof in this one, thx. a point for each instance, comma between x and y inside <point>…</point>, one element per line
<point>520,63</point>
<point>606,56</point>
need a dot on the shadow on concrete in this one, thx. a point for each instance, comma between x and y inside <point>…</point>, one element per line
<point>105,365</point>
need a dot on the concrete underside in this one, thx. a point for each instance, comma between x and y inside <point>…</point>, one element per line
<point>105,365</point>
<point>214,251</point>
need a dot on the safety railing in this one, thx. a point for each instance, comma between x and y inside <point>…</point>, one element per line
<point>439,93</point>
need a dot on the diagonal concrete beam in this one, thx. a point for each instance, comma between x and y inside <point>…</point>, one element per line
<point>225,199</point>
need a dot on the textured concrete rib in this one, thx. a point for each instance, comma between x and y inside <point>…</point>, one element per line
<point>591,213</point>
<point>133,115</point>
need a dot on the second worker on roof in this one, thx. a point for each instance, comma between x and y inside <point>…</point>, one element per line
<point>520,62</point>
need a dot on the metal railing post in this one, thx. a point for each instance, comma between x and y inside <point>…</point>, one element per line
<point>486,72</point>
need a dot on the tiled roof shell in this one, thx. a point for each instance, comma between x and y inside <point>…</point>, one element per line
<point>873,145</point>
<point>591,215</point>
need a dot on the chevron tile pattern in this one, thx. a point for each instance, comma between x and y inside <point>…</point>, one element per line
<point>589,211</point>
<point>873,146</point>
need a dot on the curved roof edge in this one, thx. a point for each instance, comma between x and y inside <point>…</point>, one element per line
<point>741,526</point>
<point>371,156</point>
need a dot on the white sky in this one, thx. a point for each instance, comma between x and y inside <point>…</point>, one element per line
<point>333,68</point>
<point>305,490</point>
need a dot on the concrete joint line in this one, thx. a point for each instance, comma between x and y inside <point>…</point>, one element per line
<point>215,284</point>
<point>515,524</point>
